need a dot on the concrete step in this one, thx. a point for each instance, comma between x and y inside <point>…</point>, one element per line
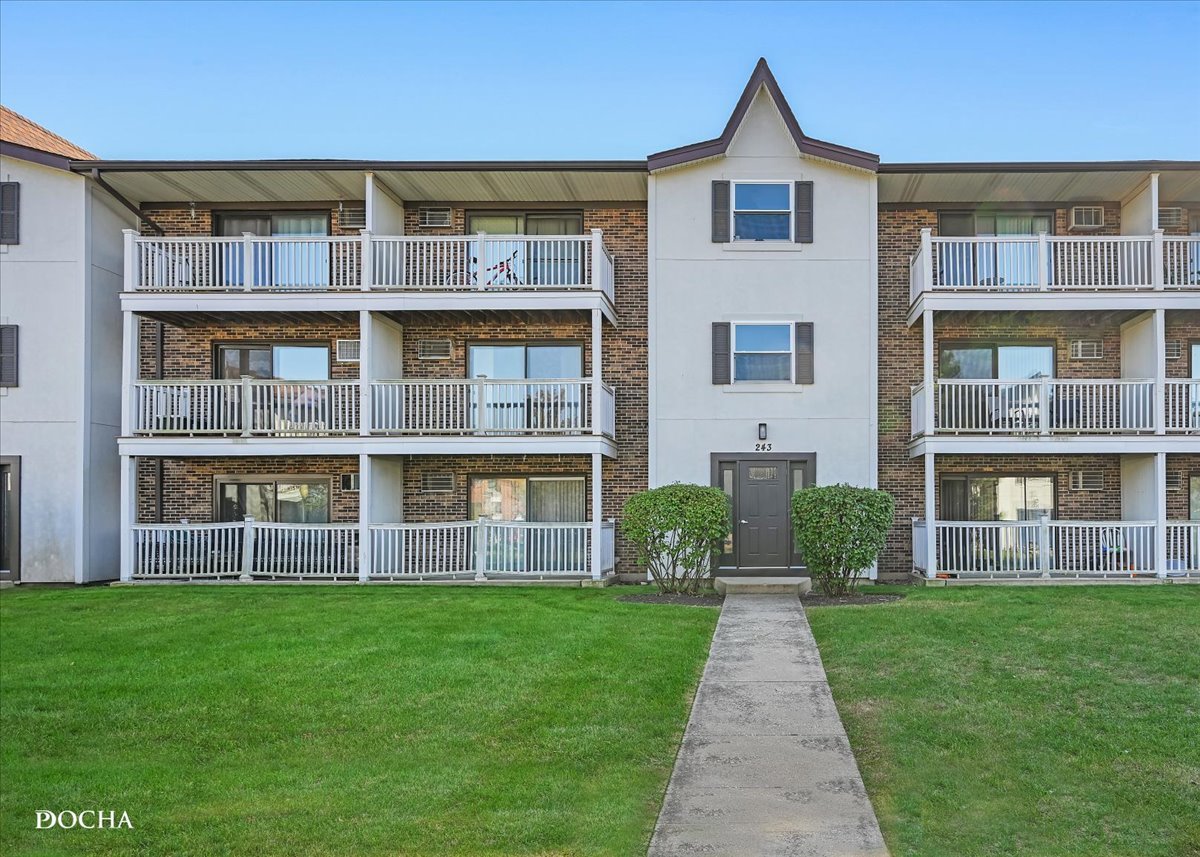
<point>763,585</point>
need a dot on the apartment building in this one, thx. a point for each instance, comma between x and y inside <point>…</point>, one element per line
<point>381,371</point>
<point>435,370</point>
<point>60,378</point>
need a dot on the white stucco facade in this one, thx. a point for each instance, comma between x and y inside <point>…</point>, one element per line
<point>830,282</point>
<point>60,285</point>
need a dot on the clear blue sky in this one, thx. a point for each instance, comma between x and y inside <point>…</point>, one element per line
<point>912,82</point>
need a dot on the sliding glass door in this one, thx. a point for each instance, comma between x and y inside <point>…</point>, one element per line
<point>284,264</point>
<point>1004,406</point>
<point>994,264</point>
<point>515,406</point>
<point>514,261</point>
<point>542,500</point>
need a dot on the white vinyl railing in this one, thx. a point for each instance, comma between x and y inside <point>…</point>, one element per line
<point>304,550</point>
<point>187,550</point>
<point>1054,263</point>
<point>350,262</point>
<point>1045,548</point>
<point>1183,548</point>
<point>920,547</point>
<point>485,406</point>
<point>247,407</point>
<point>1183,406</point>
<point>482,548</point>
<point>917,409</point>
<point>1040,406</point>
<point>608,411</point>
<point>248,549</point>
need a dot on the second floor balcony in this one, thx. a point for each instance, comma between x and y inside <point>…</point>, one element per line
<point>1053,264</point>
<point>366,262</point>
<point>403,408</point>
<point>1056,406</point>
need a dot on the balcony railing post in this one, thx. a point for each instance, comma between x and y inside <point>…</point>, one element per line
<point>1044,545</point>
<point>481,408</point>
<point>481,260</point>
<point>1157,261</point>
<point>131,261</point>
<point>481,549</point>
<point>366,268</point>
<point>247,392</point>
<point>926,262</point>
<point>247,260</point>
<point>1043,262</point>
<point>597,254</point>
<point>247,549</point>
<point>1044,406</point>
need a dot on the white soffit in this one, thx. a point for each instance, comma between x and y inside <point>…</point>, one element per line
<point>1016,187</point>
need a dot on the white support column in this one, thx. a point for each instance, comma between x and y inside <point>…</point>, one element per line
<point>130,356</point>
<point>364,518</point>
<point>927,258</point>
<point>927,369</point>
<point>1043,262</point>
<point>365,345</point>
<point>1159,325</point>
<point>597,368</point>
<point>128,514</point>
<point>366,269</point>
<point>930,517</point>
<point>248,261</point>
<point>131,268</point>
<point>597,515</point>
<point>1156,257</point>
<point>1160,517</point>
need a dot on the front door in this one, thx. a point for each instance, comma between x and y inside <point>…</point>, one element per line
<point>10,542</point>
<point>762,520</point>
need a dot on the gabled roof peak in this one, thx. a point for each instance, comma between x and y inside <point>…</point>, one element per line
<point>762,77</point>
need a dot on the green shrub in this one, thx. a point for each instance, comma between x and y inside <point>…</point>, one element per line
<point>678,530</point>
<point>840,530</point>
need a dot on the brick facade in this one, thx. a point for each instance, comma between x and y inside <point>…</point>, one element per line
<point>1183,326</point>
<point>423,507</point>
<point>1103,505</point>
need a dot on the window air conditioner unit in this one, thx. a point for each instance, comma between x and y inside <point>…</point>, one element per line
<point>434,217</point>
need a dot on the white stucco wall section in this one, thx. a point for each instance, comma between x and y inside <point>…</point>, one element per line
<point>61,286</point>
<point>831,282</point>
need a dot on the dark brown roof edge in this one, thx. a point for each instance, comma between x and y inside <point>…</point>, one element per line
<point>1041,167</point>
<point>357,166</point>
<point>762,76</point>
<point>36,156</point>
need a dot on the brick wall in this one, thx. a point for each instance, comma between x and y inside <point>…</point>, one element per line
<point>495,327</point>
<point>1058,329</point>
<point>187,487</point>
<point>1178,502</point>
<point>422,507</point>
<point>1182,326</point>
<point>1071,505</point>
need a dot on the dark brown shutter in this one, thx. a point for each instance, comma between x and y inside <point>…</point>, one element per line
<point>804,352</point>
<point>720,353</point>
<point>804,212</point>
<point>10,212</point>
<point>8,355</point>
<point>720,212</point>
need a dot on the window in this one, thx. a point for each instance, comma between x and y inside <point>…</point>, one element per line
<point>762,352</point>
<point>1012,264</point>
<point>8,355</point>
<point>281,362</point>
<point>762,211</point>
<point>988,360</point>
<point>997,498</point>
<point>10,212</point>
<point>286,500</point>
<point>545,499</point>
<point>297,264</point>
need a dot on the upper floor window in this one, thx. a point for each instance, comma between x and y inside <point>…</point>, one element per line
<point>762,211</point>
<point>762,352</point>
<point>287,362</point>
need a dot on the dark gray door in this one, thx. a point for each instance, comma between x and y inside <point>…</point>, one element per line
<point>10,518</point>
<point>762,515</point>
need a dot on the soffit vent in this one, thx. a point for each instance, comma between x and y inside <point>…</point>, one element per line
<point>433,217</point>
<point>433,349</point>
<point>347,350</point>
<point>1087,349</point>
<point>1087,480</point>
<point>1087,217</point>
<point>1170,217</point>
<point>437,483</point>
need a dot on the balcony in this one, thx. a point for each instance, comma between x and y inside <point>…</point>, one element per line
<point>288,409</point>
<point>1049,548</point>
<point>1054,264</point>
<point>378,264</point>
<point>1054,406</point>
<point>256,550</point>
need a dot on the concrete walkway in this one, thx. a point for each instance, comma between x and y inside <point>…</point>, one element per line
<point>765,767</point>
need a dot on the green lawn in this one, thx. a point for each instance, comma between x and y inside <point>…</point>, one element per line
<point>1020,721</point>
<point>342,720</point>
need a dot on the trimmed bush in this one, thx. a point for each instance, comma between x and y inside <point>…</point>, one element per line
<point>840,530</point>
<point>678,530</point>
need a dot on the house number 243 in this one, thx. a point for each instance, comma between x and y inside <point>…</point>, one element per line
<point>762,447</point>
